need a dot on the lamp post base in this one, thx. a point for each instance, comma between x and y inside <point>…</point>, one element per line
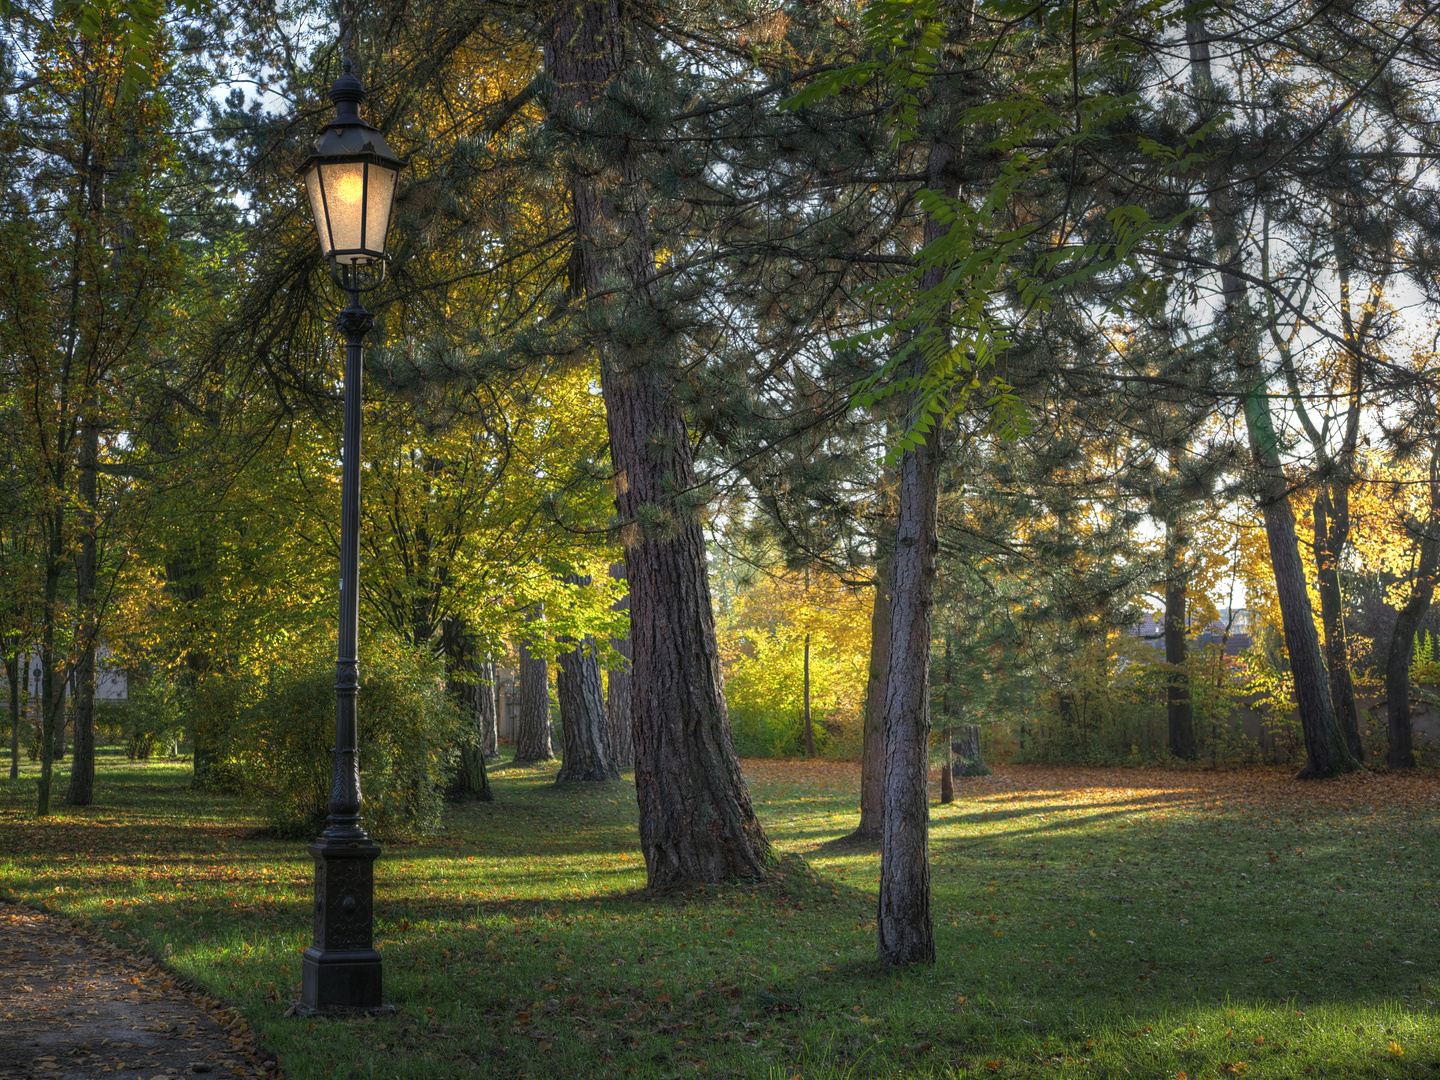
<point>341,970</point>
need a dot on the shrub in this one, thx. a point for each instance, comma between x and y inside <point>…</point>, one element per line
<point>285,731</point>
<point>151,718</point>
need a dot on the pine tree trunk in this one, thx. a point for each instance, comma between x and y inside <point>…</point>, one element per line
<point>584,726</point>
<point>617,700</point>
<point>696,819</point>
<point>82,766</point>
<point>872,748</point>
<point>532,726</point>
<point>1326,751</point>
<point>1402,638</point>
<point>1332,532</point>
<point>904,929</point>
<point>488,711</point>
<point>1180,714</point>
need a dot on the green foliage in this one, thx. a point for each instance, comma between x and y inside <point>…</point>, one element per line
<point>285,729</point>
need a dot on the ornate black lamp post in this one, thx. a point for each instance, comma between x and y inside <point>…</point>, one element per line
<point>350,176</point>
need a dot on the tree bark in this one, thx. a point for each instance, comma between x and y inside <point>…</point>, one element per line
<point>585,727</point>
<point>617,700</point>
<point>532,726</point>
<point>488,711</point>
<point>82,765</point>
<point>696,819</point>
<point>51,695</point>
<point>1407,621</point>
<point>1180,716</point>
<point>1326,751</point>
<point>904,929</point>
<point>872,749</point>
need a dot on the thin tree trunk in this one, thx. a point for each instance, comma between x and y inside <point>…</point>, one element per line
<point>532,726</point>
<point>1332,532</point>
<point>82,765</point>
<point>617,700</point>
<point>904,930</point>
<point>1180,715</point>
<point>12,676</point>
<point>809,729</point>
<point>1402,638</point>
<point>488,711</point>
<point>696,819</point>
<point>1326,751</point>
<point>872,748</point>
<point>947,774</point>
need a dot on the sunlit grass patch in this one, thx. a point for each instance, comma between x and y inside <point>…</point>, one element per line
<point>1089,923</point>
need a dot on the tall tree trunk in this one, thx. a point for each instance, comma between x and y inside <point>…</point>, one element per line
<point>1326,751</point>
<point>488,711</point>
<point>904,930</point>
<point>872,747</point>
<point>82,765</point>
<point>12,676</point>
<point>617,700</point>
<point>947,774</point>
<point>809,728</point>
<point>532,726</point>
<point>1332,532</point>
<point>1407,621</point>
<point>696,819</point>
<point>1180,715</point>
<point>584,726</point>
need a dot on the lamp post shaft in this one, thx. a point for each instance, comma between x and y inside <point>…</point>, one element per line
<point>341,969</point>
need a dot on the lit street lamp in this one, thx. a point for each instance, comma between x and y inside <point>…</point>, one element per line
<point>350,177</point>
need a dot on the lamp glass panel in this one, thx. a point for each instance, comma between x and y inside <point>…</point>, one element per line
<point>344,183</point>
<point>317,207</point>
<point>379,197</point>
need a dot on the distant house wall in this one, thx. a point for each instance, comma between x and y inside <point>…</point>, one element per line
<point>111,683</point>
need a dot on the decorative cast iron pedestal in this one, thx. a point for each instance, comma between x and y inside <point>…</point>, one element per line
<point>341,970</point>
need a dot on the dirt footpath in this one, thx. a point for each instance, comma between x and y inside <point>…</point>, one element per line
<point>72,1005</point>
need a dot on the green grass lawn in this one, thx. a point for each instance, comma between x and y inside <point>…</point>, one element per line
<point>1091,923</point>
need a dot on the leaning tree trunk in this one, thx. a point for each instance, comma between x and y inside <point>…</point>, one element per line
<point>1326,751</point>
<point>1180,714</point>
<point>82,765</point>
<point>617,700</point>
<point>488,711</point>
<point>696,819</point>
<point>1407,622</point>
<point>904,929</point>
<point>872,747</point>
<point>532,726</point>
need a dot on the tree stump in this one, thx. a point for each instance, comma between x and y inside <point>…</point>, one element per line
<point>965,753</point>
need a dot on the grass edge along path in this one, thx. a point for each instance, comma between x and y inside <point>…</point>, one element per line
<point>1090,923</point>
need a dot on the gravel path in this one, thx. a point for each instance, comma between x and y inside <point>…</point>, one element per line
<point>72,1005</point>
